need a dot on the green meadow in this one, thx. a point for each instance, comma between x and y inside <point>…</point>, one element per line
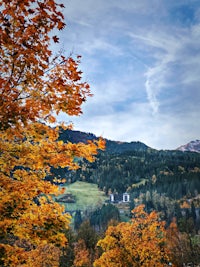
<point>87,196</point>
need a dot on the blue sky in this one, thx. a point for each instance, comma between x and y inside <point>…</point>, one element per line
<point>142,61</point>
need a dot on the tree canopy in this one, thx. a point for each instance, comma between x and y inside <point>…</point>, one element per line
<point>35,86</point>
<point>139,243</point>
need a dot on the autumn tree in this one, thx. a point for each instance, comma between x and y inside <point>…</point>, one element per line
<point>182,246</point>
<point>85,248</point>
<point>140,242</point>
<point>35,86</point>
<point>82,255</point>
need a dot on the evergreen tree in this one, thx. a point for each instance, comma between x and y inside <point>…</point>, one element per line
<point>77,219</point>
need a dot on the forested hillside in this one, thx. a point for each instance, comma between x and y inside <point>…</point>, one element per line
<point>164,180</point>
<point>136,168</point>
<point>171,172</point>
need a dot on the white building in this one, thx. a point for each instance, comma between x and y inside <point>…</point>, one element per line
<point>117,198</point>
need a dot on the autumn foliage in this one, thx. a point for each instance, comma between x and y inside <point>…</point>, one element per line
<point>82,255</point>
<point>142,242</point>
<point>35,86</point>
<point>182,246</point>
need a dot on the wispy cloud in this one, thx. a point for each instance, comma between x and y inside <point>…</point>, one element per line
<point>171,53</point>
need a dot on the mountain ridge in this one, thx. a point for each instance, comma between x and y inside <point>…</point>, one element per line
<point>112,146</point>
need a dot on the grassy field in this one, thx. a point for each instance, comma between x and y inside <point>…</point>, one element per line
<point>88,196</point>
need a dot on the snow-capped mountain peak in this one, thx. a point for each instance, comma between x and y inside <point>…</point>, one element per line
<point>193,146</point>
